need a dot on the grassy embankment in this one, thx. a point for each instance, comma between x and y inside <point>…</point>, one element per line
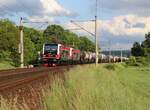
<point>106,87</point>
<point>5,65</point>
<point>102,88</point>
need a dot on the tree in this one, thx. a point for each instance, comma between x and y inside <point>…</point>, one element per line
<point>143,49</point>
<point>137,50</point>
<point>33,41</point>
<point>146,43</point>
<point>9,41</point>
<point>86,44</point>
<point>53,32</point>
<point>56,33</point>
<point>35,36</point>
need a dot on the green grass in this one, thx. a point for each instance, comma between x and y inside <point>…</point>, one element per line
<point>105,87</point>
<point>5,65</point>
<point>101,88</point>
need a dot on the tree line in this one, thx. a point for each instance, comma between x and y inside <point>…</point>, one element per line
<point>34,39</point>
<point>142,49</point>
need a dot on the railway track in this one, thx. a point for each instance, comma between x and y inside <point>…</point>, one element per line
<point>9,79</point>
<point>28,84</point>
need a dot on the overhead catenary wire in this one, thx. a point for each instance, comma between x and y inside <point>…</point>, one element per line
<point>82,28</point>
<point>96,34</point>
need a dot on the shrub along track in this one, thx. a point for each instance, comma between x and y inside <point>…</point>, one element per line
<point>27,84</point>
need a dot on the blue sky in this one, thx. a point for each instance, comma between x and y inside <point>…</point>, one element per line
<point>81,8</point>
<point>121,22</point>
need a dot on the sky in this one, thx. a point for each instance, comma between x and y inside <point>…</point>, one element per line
<point>120,22</point>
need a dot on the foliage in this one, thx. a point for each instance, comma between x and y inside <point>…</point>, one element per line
<point>86,44</point>
<point>144,61</point>
<point>55,33</point>
<point>143,49</point>
<point>137,50</point>
<point>110,66</point>
<point>138,61</point>
<point>6,65</point>
<point>5,55</point>
<point>9,40</point>
<point>33,41</point>
<point>141,53</point>
<point>146,43</point>
<point>131,61</point>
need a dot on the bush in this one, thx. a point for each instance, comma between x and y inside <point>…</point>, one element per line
<point>131,61</point>
<point>138,61</point>
<point>145,61</point>
<point>110,67</point>
<point>5,55</point>
<point>12,57</point>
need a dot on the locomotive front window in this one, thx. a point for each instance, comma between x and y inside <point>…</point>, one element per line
<point>51,48</point>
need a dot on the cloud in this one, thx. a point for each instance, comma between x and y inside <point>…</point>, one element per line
<point>45,9</point>
<point>52,6</point>
<point>137,7</point>
<point>123,30</point>
<point>129,25</point>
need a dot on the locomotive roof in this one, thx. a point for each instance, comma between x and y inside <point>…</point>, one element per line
<point>50,43</point>
<point>67,47</point>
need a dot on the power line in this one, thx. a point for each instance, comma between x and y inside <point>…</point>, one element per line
<point>79,29</point>
<point>74,22</point>
<point>96,34</point>
<point>35,22</point>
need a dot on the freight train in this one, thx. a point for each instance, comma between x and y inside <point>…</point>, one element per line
<point>58,54</point>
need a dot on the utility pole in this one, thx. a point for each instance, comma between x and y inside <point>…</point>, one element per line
<point>96,41</point>
<point>109,55</point>
<point>109,43</point>
<point>96,36</point>
<point>21,44</point>
<point>121,55</point>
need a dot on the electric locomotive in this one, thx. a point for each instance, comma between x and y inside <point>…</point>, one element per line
<point>57,54</point>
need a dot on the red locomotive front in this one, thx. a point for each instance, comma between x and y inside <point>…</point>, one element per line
<point>51,53</point>
<point>55,54</point>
